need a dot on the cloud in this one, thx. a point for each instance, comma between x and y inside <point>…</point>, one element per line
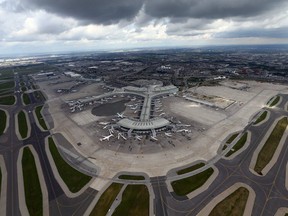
<point>210,9</point>
<point>90,11</point>
<point>255,32</point>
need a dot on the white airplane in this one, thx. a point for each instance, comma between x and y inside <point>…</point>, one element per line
<point>106,137</point>
<point>184,130</point>
<point>154,138</point>
<point>162,114</point>
<point>121,135</point>
<point>120,115</point>
<point>104,123</point>
<point>168,134</point>
<point>138,137</point>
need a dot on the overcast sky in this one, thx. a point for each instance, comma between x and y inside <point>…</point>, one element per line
<point>70,25</point>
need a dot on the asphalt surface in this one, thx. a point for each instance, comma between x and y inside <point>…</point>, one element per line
<point>271,193</point>
<point>59,203</point>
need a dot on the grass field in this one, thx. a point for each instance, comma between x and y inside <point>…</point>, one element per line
<point>39,96</point>
<point>275,101</point>
<point>187,185</point>
<point>74,179</point>
<point>132,177</point>
<point>261,117</point>
<point>7,84</point>
<point>238,145</point>
<point>106,200</point>
<point>33,194</point>
<point>230,140</point>
<point>23,89</point>
<point>3,121</point>
<point>40,117</point>
<point>190,169</point>
<point>135,201</point>
<point>234,204</point>
<point>22,124</point>
<point>26,99</point>
<point>7,100</point>
<point>269,148</point>
<point>0,180</point>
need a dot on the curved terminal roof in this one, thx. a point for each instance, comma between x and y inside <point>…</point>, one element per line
<point>143,125</point>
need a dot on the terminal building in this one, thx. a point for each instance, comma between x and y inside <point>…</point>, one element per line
<point>146,124</point>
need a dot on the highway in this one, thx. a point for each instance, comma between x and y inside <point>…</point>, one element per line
<point>59,203</point>
<point>270,189</point>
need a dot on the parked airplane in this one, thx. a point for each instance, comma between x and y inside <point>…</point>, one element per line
<point>184,130</point>
<point>121,135</point>
<point>104,123</point>
<point>154,138</point>
<point>168,134</point>
<point>106,137</point>
<point>120,115</point>
<point>162,114</point>
<point>138,137</point>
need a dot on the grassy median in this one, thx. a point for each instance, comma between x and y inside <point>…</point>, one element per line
<point>3,121</point>
<point>22,124</point>
<point>7,85</point>
<point>135,201</point>
<point>185,186</point>
<point>74,179</point>
<point>238,145</point>
<point>234,204</point>
<point>132,177</point>
<point>190,169</point>
<point>261,117</point>
<point>40,117</point>
<point>275,101</point>
<point>106,200</point>
<point>26,99</point>
<point>33,194</point>
<point>7,100</point>
<point>269,148</point>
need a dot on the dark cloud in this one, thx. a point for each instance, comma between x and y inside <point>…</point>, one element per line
<point>210,9</point>
<point>92,11</point>
<point>264,33</point>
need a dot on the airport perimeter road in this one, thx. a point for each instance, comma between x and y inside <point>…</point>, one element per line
<point>59,203</point>
<point>270,190</point>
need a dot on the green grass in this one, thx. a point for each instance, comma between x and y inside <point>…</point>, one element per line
<point>135,201</point>
<point>7,100</point>
<point>22,124</point>
<point>40,117</point>
<point>132,177</point>
<point>232,138</point>
<point>23,89</point>
<point>234,204</point>
<point>106,200</point>
<point>275,101</point>
<point>7,85</point>
<point>3,121</point>
<point>239,144</point>
<point>33,194</point>
<point>187,185</point>
<point>0,180</point>
<point>38,95</point>
<point>269,148</point>
<point>26,99</point>
<point>261,117</point>
<point>74,179</point>
<point>190,169</point>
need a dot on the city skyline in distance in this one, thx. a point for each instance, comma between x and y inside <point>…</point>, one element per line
<point>34,26</point>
